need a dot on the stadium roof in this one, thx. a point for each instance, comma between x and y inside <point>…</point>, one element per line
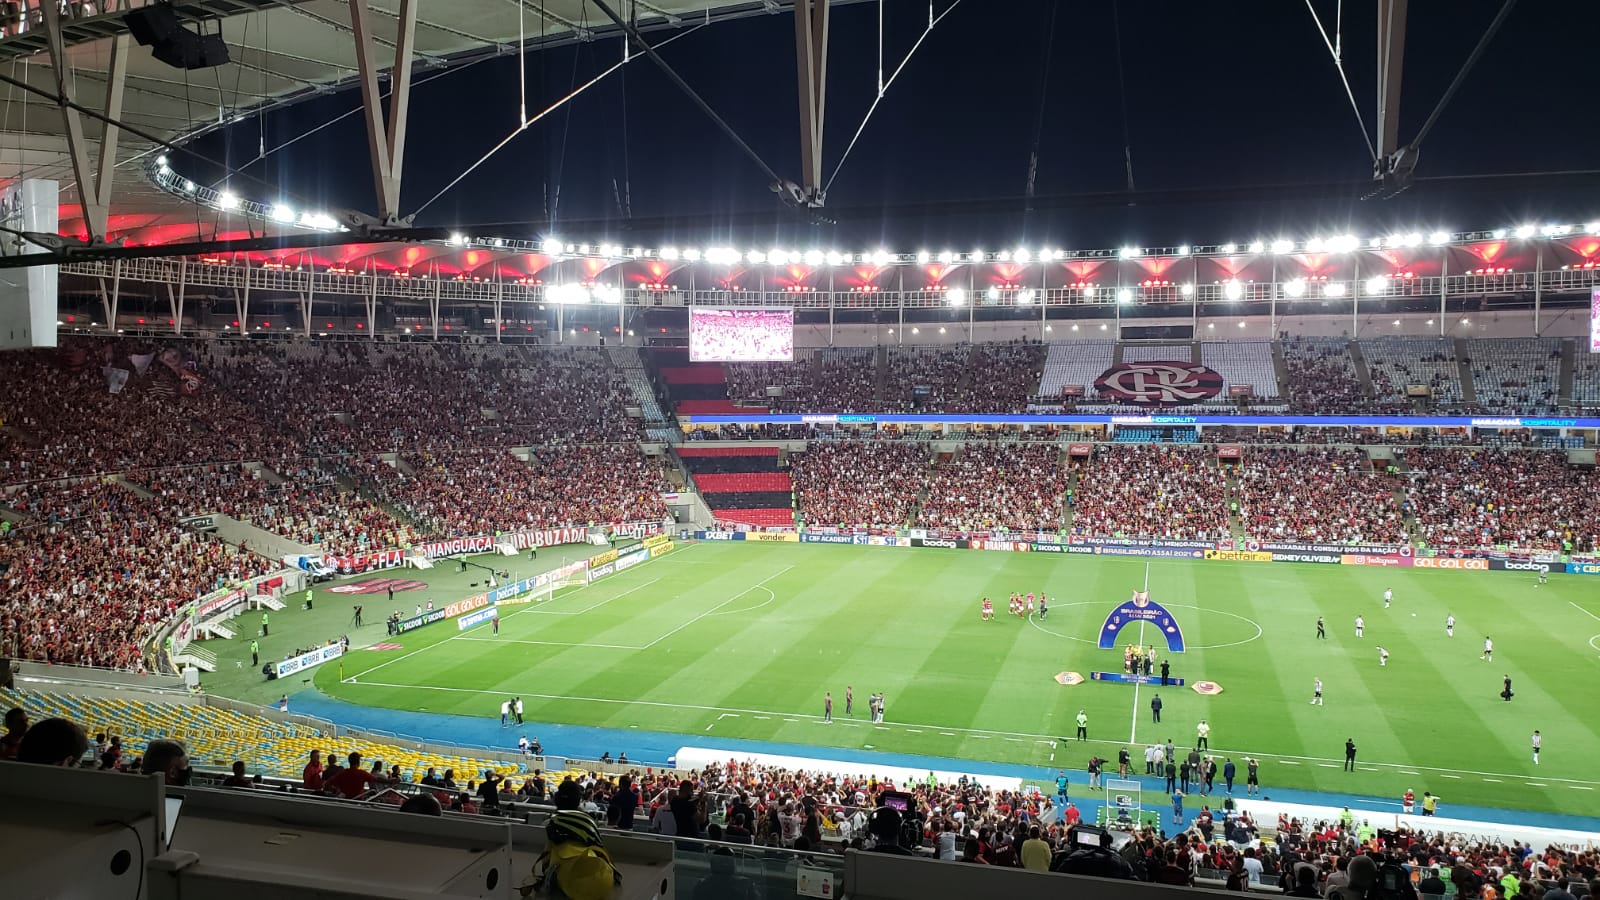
<point>281,51</point>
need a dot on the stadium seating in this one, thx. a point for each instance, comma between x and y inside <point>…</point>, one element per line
<point>1322,496</point>
<point>1321,376</point>
<point>742,484</point>
<point>1246,362</point>
<point>1150,491</point>
<point>215,737</point>
<point>1396,363</point>
<point>1074,364</point>
<point>1520,374</point>
<point>1016,487</point>
<point>1486,498</point>
<point>1586,381</point>
<point>859,483</point>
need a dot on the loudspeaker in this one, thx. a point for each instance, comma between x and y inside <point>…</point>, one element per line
<point>153,25</point>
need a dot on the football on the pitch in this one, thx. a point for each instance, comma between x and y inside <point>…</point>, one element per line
<point>1413,615</point>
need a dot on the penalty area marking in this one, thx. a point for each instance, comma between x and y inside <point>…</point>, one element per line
<point>1592,642</point>
<point>1584,611</point>
<point>733,612</point>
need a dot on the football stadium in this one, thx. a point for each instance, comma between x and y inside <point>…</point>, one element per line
<point>866,541</point>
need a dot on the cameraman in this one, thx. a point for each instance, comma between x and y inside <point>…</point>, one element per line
<point>1090,853</point>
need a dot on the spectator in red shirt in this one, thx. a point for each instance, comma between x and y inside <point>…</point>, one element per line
<point>353,781</point>
<point>311,775</point>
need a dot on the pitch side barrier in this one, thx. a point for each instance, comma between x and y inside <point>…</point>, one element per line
<point>1369,555</point>
<point>1495,422</point>
<point>480,608</point>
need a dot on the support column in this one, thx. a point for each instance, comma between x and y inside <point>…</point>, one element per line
<point>385,141</point>
<point>900,309</point>
<point>1538,286</point>
<point>433,307</point>
<point>183,288</point>
<point>1391,64</point>
<point>811,59</point>
<point>1444,288</point>
<point>830,307</point>
<point>116,292</point>
<point>94,176</point>
<point>1272,308</point>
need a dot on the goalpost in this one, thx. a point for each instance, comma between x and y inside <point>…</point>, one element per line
<point>1124,805</point>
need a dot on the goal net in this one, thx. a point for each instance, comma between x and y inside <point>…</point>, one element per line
<point>1124,805</point>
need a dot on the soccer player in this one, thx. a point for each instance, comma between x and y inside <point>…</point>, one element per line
<point>1252,775</point>
<point>988,609</point>
<point>1505,692</point>
<point>1408,802</point>
<point>1488,649</point>
<point>1322,630</point>
<point>1383,657</point>
<point>1030,604</point>
<point>1544,576</point>
<point>1083,725</point>
<point>1538,741</point>
<point>1016,606</point>
<point>1360,624</point>
<point>1388,597</point>
<point>1450,625</point>
<point>850,693</point>
<point>827,707</point>
<point>1316,692</point>
<point>1043,610</point>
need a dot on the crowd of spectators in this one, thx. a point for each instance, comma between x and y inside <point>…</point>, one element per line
<point>96,569</point>
<point>1325,496</point>
<point>1150,491</point>
<point>464,492</point>
<point>832,380</point>
<point>1485,498</point>
<point>307,506</point>
<point>859,483</point>
<point>1321,377</point>
<point>1016,487</point>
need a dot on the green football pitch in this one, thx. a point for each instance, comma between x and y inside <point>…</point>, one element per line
<point>741,640</point>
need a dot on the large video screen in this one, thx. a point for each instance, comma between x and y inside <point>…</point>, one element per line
<point>741,335</point>
<point>1594,321</point>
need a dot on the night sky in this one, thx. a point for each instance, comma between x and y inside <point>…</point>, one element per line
<point>1221,99</point>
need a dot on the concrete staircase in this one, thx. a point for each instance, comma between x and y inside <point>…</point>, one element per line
<point>880,371</point>
<point>1280,369</point>
<point>1469,391</point>
<point>1363,374</point>
<point>1569,371</point>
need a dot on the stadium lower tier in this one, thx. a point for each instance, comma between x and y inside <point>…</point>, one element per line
<point>773,517</point>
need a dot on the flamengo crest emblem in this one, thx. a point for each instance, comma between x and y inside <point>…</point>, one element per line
<point>1159,383</point>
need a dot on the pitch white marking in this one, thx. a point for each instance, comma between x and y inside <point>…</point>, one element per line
<point>1456,777</point>
<point>914,730</point>
<point>593,606</point>
<point>734,612</point>
<point>1327,765</point>
<point>1133,729</point>
<point>1579,787</point>
<point>1584,611</point>
<point>717,607</point>
<point>1494,780</point>
<point>973,733</point>
<point>711,726</point>
<point>1534,784</point>
<point>494,640</point>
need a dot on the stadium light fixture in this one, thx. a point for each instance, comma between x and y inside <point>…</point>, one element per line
<point>1049,327</point>
<point>1183,250</point>
<point>1375,243</point>
<point>923,257</point>
<point>1102,326</point>
<point>1524,232</point>
<point>956,296</point>
<point>835,258</point>
<point>1376,285</point>
<point>1129,252</point>
<point>755,257</point>
<point>283,213</point>
<point>1439,238</point>
<point>1088,291</point>
<point>947,257</point>
<point>1316,245</point>
<point>1124,295</point>
<point>1241,324</point>
<point>1187,289</point>
<point>1025,297</point>
<point>1230,248</point>
<point>1022,255</point>
<point>1257,247</point>
<point>977,256</point>
<point>228,200</point>
<point>161,161</point>
<point>813,257</point>
<point>1282,246</point>
<point>1344,243</point>
<point>1592,227</point>
<point>552,246</point>
<point>881,258</point>
<point>668,253</point>
<point>607,293</point>
<point>1005,256</point>
<point>915,330</point>
<point>1046,254</point>
<point>778,257</point>
<point>941,329</point>
<point>1074,326</point>
<point>1232,289</point>
<point>1296,287</point>
<point>692,254</point>
<point>992,293</point>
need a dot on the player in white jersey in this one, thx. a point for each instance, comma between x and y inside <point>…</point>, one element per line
<point>1316,693</point>
<point>1538,742</point>
<point>1450,625</point>
<point>1360,624</point>
<point>1383,657</point>
<point>1488,650</point>
<point>1388,597</point>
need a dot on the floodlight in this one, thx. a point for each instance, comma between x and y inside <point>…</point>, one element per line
<point>1377,284</point>
<point>1025,297</point>
<point>1257,247</point>
<point>282,213</point>
<point>956,296</point>
<point>1183,250</point>
<point>923,257</point>
<point>1439,238</point>
<point>1232,289</point>
<point>1124,295</point>
<point>1524,231</point>
<point>1230,248</point>
<point>1333,289</point>
<point>551,246</point>
<point>1296,287</point>
<point>1187,289</point>
<point>1022,255</point>
<point>228,200</point>
<point>1282,246</point>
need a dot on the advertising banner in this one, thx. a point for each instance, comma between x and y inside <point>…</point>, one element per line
<point>631,559</point>
<point>1080,449</point>
<point>1583,568</point>
<point>656,540</point>
<point>945,543</point>
<point>210,607</point>
<point>662,549</point>
<point>477,618</point>
<point>635,529</point>
<point>415,622</point>
<point>1230,451</point>
<point>1324,558</point>
<point>773,537</point>
<point>1381,549</point>
<point>881,540</point>
<point>306,660</point>
<point>1153,552</point>
<point>1142,542</point>
<point>364,562</point>
<point>598,572</point>
<point>1443,562</point>
<point>1502,565</point>
<point>716,535</point>
<point>809,538</point>
<point>1239,555</point>
<point>1374,559</point>
<point>483,543</point>
<point>601,559</point>
<point>477,601</point>
<point>1004,546</point>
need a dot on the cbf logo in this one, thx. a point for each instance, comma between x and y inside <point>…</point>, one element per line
<point>1159,383</point>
